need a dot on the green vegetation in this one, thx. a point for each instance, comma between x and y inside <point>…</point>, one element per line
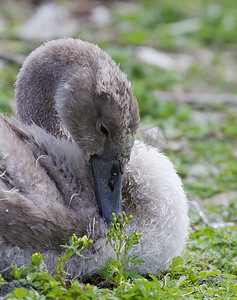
<point>119,239</point>
<point>200,139</point>
<point>195,276</point>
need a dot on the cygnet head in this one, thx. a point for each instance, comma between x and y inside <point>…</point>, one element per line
<point>72,88</point>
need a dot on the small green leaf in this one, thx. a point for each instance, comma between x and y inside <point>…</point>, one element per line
<point>20,293</point>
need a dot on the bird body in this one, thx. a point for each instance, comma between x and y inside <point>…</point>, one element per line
<point>78,120</point>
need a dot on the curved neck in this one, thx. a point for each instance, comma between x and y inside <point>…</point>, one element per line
<point>45,70</point>
<point>34,95</point>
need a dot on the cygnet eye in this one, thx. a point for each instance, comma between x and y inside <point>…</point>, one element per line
<point>104,130</point>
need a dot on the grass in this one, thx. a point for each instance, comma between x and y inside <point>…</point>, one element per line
<point>207,271</point>
<point>205,134</point>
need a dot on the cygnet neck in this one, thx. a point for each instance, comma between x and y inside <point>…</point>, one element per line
<point>46,70</point>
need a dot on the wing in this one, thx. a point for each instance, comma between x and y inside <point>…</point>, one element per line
<point>31,206</point>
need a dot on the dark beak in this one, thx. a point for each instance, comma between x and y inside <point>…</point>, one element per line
<point>108,186</point>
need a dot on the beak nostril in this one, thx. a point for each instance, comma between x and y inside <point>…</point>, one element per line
<point>112,179</point>
<point>111,184</point>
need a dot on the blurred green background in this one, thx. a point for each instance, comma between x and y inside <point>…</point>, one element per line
<point>181,59</point>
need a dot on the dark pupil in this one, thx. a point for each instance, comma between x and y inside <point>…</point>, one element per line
<point>104,130</point>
